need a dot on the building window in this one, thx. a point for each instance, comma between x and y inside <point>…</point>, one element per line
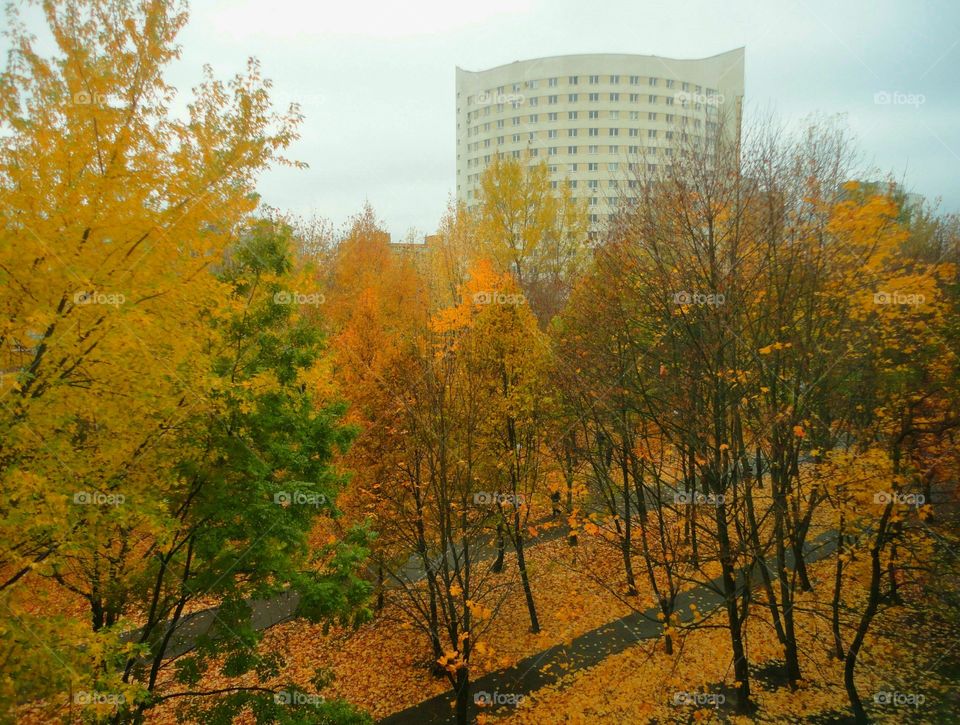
<point>669,100</point>
<point>552,133</point>
<point>634,98</point>
<point>573,167</point>
<point>552,99</point>
<point>614,79</point>
<point>572,132</point>
<point>593,183</point>
<point>669,135</point>
<point>571,150</point>
<point>594,132</point>
<point>613,167</point>
<point>572,115</point>
<point>592,166</point>
<point>594,97</point>
<point>651,133</point>
<point>593,149</point>
<point>552,83</point>
<point>552,151</point>
<point>499,123</point>
<point>670,83</point>
<point>614,149</point>
<point>614,131</point>
<point>634,80</point>
<point>653,81</point>
<point>533,101</point>
<point>634,115</point>
<point>572,183</point>
<point>653,99</point>
<point>552,116</point>
<point>594,80</point>
<point>516,138</point>
<point>593,114</point>
<point>574,80</point>
<point>634,131</point>
<point>685,86</point>
<point>614,96</point>
<point>534,118</point>
<point>615,114</point>
<point>572,97</point>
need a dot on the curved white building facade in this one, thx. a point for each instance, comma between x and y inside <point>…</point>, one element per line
<point>589,116</point>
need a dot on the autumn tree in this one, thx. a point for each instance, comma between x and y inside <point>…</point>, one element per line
<point>130,350</point>
<point>531,231</point>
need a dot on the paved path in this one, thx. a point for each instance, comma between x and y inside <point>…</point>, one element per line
<point>270,612</point>
<point>587,650</point>
<point>267,613</point>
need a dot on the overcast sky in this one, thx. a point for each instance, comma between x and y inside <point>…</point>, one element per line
<point>375,79</point>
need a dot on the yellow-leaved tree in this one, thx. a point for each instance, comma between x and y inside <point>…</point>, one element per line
<point>536,233</point>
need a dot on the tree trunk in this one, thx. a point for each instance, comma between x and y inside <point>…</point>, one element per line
<point>380,588</point>
<point>626,541</point>
<point>527,592</point>
<point>463,696</point>
<point>501,550</point>
<point>837,588</point>
<point>741,667</point>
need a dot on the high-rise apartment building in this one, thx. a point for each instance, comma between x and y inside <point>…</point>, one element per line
<point>590,116</point>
